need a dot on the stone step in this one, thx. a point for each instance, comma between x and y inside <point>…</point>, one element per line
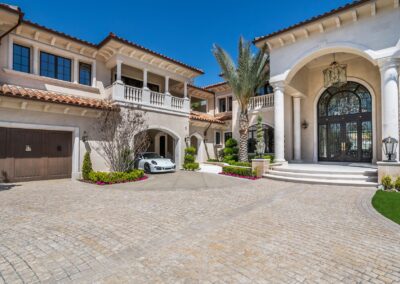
<point>317,180</point>
<point>360,176</point>
<point>344,171</point>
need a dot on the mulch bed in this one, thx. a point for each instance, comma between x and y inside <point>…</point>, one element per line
<point>107,183</point>
<point>239,176</point>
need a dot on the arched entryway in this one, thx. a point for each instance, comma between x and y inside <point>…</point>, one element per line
<point>345,132</point>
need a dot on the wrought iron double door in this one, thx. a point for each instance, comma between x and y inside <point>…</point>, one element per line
<point>345,138</point>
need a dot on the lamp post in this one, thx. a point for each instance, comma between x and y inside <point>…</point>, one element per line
<point>389,148</point>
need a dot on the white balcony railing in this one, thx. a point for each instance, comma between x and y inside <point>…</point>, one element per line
<point>127,94</point>
<point>260,102</point>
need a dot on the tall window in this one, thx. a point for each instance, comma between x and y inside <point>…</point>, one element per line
<point>222,105</point>
<point>218,138</point>
<point>21,58</point>
<point>85,74</point>
<point>227,135</point>
<point>230,103</point>
<point>55,66</point>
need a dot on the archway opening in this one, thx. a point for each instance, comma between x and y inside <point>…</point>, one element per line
<point>161,143</point>
<point>345,124</point>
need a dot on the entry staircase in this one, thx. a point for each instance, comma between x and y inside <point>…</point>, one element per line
<point>331,174</point>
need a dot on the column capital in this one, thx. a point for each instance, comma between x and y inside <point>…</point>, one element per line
<point>388,62</point>
<point>280,85</point>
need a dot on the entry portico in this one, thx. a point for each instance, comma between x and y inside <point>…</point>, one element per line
<point>315,122</point>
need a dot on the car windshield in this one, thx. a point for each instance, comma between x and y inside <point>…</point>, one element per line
<point>151,156</point>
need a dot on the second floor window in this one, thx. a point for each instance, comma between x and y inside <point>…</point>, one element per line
<point>229,103</point>
<point>21,58</point>
<point>85,74</point>
<point>222,105</point>
<point>55,66</point>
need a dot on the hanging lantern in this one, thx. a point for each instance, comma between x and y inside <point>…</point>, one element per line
<point>335,75</point>
<point>389,148</point>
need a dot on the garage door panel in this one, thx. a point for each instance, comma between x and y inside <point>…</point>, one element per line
<point>27,154</point>
<point>59,154</point>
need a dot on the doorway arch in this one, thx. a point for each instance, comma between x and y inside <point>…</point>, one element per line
<point>345,124</point>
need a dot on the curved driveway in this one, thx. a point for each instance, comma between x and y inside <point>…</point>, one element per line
<point>194,227</point>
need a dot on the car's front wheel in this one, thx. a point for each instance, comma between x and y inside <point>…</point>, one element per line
<point>147,168</point>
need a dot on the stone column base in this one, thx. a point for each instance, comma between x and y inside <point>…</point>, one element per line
<point>388,168</point>
<point>260,166</point>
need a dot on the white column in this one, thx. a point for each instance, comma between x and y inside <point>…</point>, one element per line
<point>76,70</point>
<point>75,154</point>
<point>36,60</point>
<point>145,79</point>
<point>185,89</point>
<point>296,129</point>
<point>119,70</point>
<point>10,52</point>
<point>167,84</point>
<point>94,79</point>
<point>279,119</point>
<point>390,98</point>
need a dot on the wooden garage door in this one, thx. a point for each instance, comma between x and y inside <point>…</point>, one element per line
<point>27,154</point>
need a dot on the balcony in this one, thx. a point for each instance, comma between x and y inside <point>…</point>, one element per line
<point>261,102</point>
<point>147,99</point>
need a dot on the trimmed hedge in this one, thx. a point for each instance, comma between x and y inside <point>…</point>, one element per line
<point>116,177</point>
<point>241,171</point>
<point>230,152</point>
<point>86,166</point>
<point>191,166</point>
<point>240,164</point>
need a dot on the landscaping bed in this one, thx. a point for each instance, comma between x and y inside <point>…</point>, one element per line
<point>238,171</point>
<point>104,178</point>
<point>388,204</point>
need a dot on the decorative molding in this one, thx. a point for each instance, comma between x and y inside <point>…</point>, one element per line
<point>53,41</point>
<point>354,15</point>
<point>338,22</point>
<point>373,8</point>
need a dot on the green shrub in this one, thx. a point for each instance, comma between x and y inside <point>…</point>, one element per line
<point>191,166</point>
<point>230,152</point>
<point>387,182</point>
<point>397,184</point>
<point>270,157</point>
<point>86,166</point>
<point>189,159</point>
<point>240,164</point>
<point>242,171</point>
<point>212,160</point>
<point>115,177</point>
<point>190,151</point>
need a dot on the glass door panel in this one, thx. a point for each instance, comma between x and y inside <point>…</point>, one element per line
<point>334,138</point>
<point>366,143</point>
<point>323,143</point>
<point>350,145</point>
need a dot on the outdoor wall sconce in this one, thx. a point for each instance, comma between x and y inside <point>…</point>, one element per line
<point>304,125</point>
<point>85,136</point>
<point>389,148</point>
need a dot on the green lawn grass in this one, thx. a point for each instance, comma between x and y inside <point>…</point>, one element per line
<point>388,204</point>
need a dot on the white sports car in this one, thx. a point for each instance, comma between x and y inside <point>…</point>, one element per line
<point>151,162</point>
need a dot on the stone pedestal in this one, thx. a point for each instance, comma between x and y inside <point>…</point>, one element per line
<point>260,166</point>
<point>388,168</point>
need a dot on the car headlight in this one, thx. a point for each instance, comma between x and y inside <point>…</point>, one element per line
<point>154,162</point>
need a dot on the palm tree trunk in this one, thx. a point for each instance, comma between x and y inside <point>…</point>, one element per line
<point>243,132</point>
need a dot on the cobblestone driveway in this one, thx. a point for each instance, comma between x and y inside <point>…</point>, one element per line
<point>194,227</point>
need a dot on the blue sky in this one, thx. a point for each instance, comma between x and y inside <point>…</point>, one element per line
<point>184,31</point>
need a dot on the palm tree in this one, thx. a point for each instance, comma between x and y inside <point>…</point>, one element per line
<point>250,73</point>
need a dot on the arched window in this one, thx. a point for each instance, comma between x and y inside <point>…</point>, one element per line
<point>351,98</point>
<point>268,139</point>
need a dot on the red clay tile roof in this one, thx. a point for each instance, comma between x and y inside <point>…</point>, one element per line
<point>204,117</point>
<point>113,36</point>
<point>313,19</point>
<point>224,116</point>
<point>11,8</point>
<point>52,97</point>
<point>215,85</point>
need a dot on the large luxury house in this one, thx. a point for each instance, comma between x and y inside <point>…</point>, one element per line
<point>53,86</point>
